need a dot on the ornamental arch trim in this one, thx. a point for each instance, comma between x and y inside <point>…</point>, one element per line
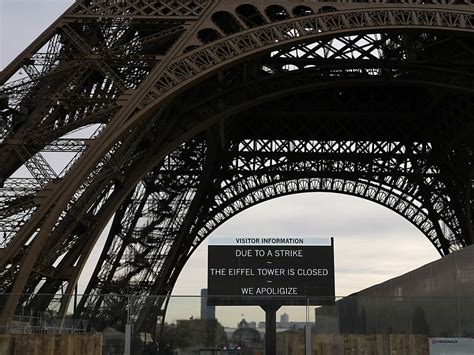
<point>383,195</point>
<point>201,62</point>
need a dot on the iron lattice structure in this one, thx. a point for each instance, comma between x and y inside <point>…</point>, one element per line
<point>178,114</point>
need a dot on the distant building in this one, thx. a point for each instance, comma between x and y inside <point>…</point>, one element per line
<point>252,324</point>
<point>243,324</point>
<point>296,325</point>
<point>261,324</point>
<point>246,335</point>
<point>207,312</point>
<point>284,320</point>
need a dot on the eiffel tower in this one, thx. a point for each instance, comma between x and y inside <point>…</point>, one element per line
<point>178,114</point>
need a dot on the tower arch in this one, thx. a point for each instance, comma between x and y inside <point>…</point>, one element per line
<point>156,122</point>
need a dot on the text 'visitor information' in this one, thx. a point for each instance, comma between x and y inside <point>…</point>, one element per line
<point>286,270</point>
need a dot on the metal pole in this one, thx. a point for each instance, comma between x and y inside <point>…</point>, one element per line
<point>75,301</point>
<point>128,330</point>
<point>307,331</point>
<point>270,328</point>
<point>128,338</point>
<point>308,344</point>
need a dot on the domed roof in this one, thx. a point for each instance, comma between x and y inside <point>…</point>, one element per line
<point>246,335</point>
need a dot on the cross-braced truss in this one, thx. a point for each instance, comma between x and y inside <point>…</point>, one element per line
<point>169,117</point>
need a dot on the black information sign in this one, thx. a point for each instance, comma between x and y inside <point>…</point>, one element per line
<point>270,270</point>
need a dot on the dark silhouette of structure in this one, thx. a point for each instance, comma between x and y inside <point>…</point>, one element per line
<point>436,300</point>
<point>207,311</point>
<point>204,108</point>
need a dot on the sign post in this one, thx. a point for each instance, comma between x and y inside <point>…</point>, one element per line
<point>270,328</point>
<point>270,272</point>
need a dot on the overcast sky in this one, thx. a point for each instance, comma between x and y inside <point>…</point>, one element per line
<point>372,243</point>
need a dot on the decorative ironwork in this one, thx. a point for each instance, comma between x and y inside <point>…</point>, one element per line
<point>173,116</point>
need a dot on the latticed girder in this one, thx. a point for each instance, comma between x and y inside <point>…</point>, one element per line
<point>145,228</point>
<point>399,191</point>
<point>151,75</point>
<point>401,179</point>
